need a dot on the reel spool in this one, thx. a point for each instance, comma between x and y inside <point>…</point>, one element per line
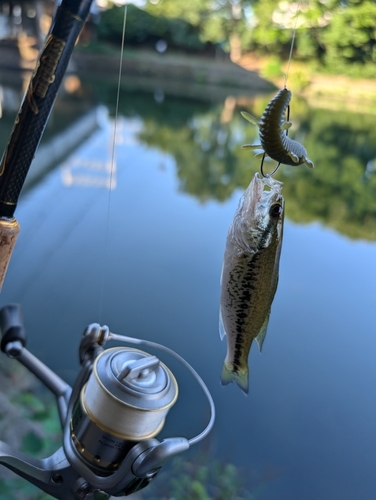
<point>125,400</point>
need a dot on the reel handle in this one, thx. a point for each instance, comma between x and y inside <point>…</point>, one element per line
<point>151,460</point>
<point>12,329</point>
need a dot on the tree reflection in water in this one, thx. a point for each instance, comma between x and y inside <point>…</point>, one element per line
<point>205,140</point>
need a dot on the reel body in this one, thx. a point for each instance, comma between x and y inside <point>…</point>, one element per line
<point>125,400</point>
<point>110,418</point>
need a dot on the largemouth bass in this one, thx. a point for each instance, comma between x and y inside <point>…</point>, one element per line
<point>250,274</point>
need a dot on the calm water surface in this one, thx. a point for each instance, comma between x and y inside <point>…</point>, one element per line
<point>307,428</point>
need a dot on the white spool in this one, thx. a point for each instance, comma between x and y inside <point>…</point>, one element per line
<point>129,409</point>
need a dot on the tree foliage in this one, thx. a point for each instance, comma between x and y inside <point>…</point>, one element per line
<point>350,39</point>
<point>144,28</point>
<point>338,35</point>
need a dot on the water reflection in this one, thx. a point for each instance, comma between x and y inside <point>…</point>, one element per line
<point>337,193</point>
<point>100,170</point>
<point>204,139</point>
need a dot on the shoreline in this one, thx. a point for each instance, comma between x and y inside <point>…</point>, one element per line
<point>208,78</point>
<point>219,76</point>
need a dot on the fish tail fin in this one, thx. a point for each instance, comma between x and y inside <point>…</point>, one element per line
<point>239,377</point>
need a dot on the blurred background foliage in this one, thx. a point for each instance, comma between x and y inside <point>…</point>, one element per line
<point>336,36</point>
<point>29,422</point>
<point>201,478</point>
<point>146,29</point>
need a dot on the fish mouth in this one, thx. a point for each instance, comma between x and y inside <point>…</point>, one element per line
<point>273,184</point>
<point>257,194</point>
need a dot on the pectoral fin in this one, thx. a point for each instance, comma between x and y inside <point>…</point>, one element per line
<point>250,118</point>
<point>222,331</point>
<point>262,333</point>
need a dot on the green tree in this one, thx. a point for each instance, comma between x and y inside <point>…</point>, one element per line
<point>145,28</point>
<point>219,21</point>
<point>338,35</point>
<point>350,39</point>
<point>268,35</point>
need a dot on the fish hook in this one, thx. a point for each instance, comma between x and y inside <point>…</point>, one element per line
<point>262,169</point>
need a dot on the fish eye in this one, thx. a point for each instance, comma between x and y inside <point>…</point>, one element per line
<point>275,210</point>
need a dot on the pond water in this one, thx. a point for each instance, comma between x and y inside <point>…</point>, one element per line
<point>145,258</point>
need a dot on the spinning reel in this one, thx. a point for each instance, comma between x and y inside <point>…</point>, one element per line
<point>110,418</point>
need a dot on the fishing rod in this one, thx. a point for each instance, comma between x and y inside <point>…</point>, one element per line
<point>33,115</point>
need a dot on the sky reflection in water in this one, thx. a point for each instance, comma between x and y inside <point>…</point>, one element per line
<point>306,430</point>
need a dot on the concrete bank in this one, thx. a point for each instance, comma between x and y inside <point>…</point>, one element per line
<point>139,66</point>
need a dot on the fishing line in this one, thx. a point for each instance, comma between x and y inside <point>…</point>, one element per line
<point>292,42</point>
<point>113,151</point>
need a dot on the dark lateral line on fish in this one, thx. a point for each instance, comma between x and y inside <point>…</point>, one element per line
<point>246,298</point>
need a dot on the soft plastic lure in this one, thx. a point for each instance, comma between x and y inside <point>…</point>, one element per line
<point>273,134</point>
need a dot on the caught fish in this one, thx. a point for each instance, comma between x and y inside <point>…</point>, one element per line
<point>250,274</point>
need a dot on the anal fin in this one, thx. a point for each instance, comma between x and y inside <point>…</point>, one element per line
<point>262,333</point>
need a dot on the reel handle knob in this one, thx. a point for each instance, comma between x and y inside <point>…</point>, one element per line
<point>11,328</point>
<point>138,368</point>
<point>151,460</point>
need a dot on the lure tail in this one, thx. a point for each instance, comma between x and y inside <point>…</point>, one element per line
<point>240,377</point>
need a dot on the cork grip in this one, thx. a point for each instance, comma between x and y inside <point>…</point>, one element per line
<point>9,229</point>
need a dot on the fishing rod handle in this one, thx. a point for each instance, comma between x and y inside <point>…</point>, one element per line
<point>38,100</point>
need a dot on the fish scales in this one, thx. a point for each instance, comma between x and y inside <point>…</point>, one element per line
<point>250,285</point>
<point>250,275</point>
